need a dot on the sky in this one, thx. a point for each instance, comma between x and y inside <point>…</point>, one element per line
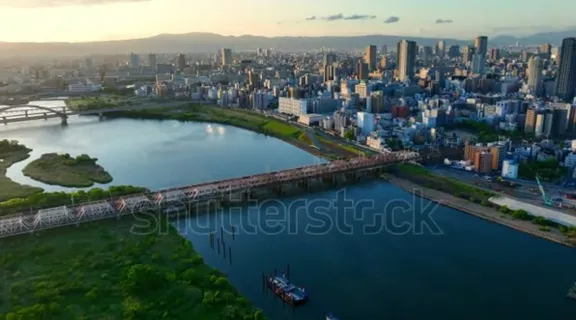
<point>96,20</point>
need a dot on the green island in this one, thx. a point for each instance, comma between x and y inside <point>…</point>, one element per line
<point>421,176</point>
<point>247,120</point>
<point>66,171</point>
<point>10,153</point>
<point>106,270</point>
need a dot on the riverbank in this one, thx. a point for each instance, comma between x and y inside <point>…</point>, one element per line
<point>246,120</point>
<point>107,270</point>
<point>10,153</point>
<point>65,171</point>
<point>484,212</point>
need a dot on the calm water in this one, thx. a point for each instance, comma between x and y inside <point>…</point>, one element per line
<point>475,270</point>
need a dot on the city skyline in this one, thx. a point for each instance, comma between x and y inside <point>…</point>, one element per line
<point>102,20</point>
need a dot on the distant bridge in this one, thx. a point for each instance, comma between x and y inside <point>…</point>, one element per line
<point>204,193</point>
<point>27,112</point>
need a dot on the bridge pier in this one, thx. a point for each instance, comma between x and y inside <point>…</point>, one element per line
<point>26,113</point>
<point>45,116</point>
<point>100,116</point>
<point>64,119</point>
<point>4,120</point>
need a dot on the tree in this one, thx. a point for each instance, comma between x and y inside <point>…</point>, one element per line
<point>350,134</point>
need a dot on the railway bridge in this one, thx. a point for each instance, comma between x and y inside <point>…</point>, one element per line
<point>28,112</point>
<point>206,193</point>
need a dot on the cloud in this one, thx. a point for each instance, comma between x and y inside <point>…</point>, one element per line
<point>440,21</point>
<point>340,16</point>
<point>392,19</point>
<point>57,3</point>
<point>360,17</point>
<point>333,17</point>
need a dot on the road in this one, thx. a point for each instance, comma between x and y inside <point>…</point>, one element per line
<point>523,193</point>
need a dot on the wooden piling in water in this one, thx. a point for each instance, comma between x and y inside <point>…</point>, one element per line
<point>222,234</point>
<point>212,240</point>
<point>230,255</point>
<point>233,233</point>
<point>218,241</point>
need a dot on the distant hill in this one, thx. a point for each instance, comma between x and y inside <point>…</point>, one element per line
<point>210,42</point>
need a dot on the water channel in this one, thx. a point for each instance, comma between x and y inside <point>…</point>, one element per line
<point>473,270</point>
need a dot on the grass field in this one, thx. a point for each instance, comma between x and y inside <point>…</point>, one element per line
<point>63,170</point>
<point>8,188</point>
<point>104,271</point>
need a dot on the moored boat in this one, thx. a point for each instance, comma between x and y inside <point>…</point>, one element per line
<point>289,292</point>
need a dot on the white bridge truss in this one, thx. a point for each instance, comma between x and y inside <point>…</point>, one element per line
<point>95,210</point>
<point>61,216</point>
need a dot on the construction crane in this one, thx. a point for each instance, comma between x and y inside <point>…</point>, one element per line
<point>546,199</point>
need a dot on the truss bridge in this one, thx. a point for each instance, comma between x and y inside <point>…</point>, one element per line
<point>163,200</point>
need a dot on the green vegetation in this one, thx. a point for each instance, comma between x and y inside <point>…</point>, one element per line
<point>105,270</point>
<point>10,153</point>
<point>422,176</point>
<point>55,199</point>
<point>485,132</point>
<point>95,103</point>
<point>63,170</point>
<point>243,119</point>
<point>348,148</point>
<point>350,135</point>
<point>549,170</point>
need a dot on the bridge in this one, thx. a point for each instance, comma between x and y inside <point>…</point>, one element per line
<point>26,112</point>
<point>168,200</point>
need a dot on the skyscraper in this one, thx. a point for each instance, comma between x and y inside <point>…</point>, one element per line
<point>406,59</point>
<point>362,69</point>
<point>427,54</point>
<point>481,45</point>
<point>467,54</point>
<point>566,78</point>
<point>440,48</point>
<point>134,60</point>
<point>384,49</point>
<point>329,59</point>
<point>545,50</point>
<point>494,54</point>
<point>370,57</point>
<point>226,57</point>
<point>535,75</point>
<point>152,60</point>
<point>181,61</point>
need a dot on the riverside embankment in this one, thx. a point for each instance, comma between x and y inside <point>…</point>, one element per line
<point>487,213</point>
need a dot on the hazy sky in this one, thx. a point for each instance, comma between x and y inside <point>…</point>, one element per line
<point>89,20</point>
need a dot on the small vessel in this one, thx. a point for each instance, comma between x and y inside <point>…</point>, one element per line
<point>330,316</point>
<point>572,292</point>
<point>290,293</point>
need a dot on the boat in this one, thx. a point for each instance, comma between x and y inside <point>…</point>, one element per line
<point>330,316</point>
<point>289,292</point>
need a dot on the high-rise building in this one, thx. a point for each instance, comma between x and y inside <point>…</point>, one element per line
<point>478,63</point>
<point>560,119</point>
<point>441,48</point>
<point>384,49</point>
<point>329,58</point>
<point>483,162</point>
<point>545,50</point>
<point>362,70</point>
<point>406,59</point>
<point>384,63</point>
<point>566,78</point>
<point>535,75</point>
<point>427,54</point>
<point>454,51</point>
<point>134,60</point>
<point>481,45</point>
<point>530,122</point>
<point>467,54</point>
<point>226,57</point>
<point>152,60</point>
<point>370,57</point>
<point>494,54</point>
<point>181,61</point>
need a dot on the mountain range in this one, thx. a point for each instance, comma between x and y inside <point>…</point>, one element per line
<point>210,42</point>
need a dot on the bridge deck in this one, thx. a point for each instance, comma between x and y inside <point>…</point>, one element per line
<point>89,211</point>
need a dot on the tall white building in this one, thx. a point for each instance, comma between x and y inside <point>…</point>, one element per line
<point>365,122</point>
<point>291,106</point>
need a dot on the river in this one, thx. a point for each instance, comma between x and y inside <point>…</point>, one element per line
<point>472,270</point>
